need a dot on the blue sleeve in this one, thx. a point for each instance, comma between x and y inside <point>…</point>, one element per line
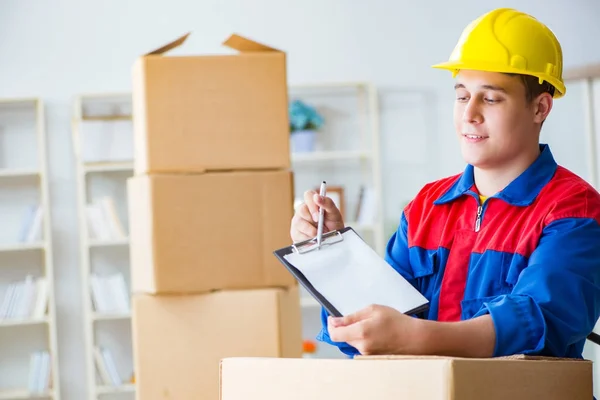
<point>556,301</point>
<point>396,254</point>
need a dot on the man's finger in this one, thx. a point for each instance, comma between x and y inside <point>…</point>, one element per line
<point>349,333</point>
<point>301,237</point>
<point>310,203</point>
<point>325,202</point>
<point>332,213</point>
<point>351,318</point>
<point>305,227</point>
<point>304,212</point>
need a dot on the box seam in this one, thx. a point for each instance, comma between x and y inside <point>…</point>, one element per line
<point>451,384</point>
<point>221,380</point>
<point>153,247</point>
<point>280,322</point>
<point>264,217</point>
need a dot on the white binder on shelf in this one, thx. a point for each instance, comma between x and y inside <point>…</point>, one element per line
<point>345,275</point>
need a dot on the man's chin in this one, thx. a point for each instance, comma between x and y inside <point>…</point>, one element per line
<point>476,159</point>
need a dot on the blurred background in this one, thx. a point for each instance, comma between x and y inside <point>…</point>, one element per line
<point>383,129</point>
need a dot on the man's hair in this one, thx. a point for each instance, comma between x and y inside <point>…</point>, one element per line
<point>533,88</point>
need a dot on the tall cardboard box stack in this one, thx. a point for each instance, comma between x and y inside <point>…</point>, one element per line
<point>210,199</point>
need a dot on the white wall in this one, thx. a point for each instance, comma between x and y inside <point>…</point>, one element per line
<point>56,49</point>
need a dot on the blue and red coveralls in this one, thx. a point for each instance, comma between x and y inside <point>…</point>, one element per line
<point>529,256</point>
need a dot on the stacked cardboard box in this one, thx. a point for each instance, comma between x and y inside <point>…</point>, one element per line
<point>210,199</point>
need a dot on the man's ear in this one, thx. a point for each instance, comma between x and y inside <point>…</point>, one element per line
<point>542,106</point>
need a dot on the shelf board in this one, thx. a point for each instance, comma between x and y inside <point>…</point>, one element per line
<point>96,316</point>
<point>108,243</point>
<point>106,117</point>
<point>23,322</point>
<point>330,156</point>
<point>105,389</point>
<point>18,172</point>
<point>328,85</point>
<point>590,71</point>
<point>18,100</point>
<point>360,227</point>
<point>108,167</point>
<point>18,394</point>
<point>22,246</point>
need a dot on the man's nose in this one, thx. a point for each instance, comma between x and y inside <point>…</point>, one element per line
<point>472,112</point>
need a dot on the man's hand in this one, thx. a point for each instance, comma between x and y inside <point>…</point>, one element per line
<point>304,223</point>
<point>378,330</point>
<point>383,330</point>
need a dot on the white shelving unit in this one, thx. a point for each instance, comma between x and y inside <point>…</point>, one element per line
<point>589,76</point>
<point>28,320</point>
<point>103,171</point>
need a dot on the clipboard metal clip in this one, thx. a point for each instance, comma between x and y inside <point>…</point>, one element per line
<point>309,245</point>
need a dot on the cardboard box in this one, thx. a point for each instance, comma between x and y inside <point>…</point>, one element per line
<point>178,341</point>
<point>201,232</point>
<point>211,112</point>
<point>414,378</point>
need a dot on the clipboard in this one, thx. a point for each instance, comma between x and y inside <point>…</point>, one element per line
<point>345,274</point>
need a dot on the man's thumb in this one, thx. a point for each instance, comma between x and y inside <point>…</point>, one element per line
<point>349,319</point>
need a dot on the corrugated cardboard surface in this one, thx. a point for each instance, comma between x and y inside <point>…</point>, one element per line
<point>201,232</point>
<point>415,378</point>
<point>178,341</point>
<point>220,112</point>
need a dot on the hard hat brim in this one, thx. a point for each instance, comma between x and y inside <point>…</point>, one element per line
<point>455,67</point>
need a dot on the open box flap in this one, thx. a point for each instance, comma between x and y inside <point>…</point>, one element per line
<point>242,44</point>
<point>235,42</point>
<point>169,46</point>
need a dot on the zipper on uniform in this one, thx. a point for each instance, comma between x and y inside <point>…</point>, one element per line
<point>478,220</point>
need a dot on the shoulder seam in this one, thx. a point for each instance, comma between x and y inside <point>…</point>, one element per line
<point>583,212</point>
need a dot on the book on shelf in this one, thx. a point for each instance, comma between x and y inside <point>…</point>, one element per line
<point>31,226</point>
<point>106,367</point>
<point>26,299</point>
<point>40,372</point>
<point>366,210</point>
<point>103,220</point>
<point>110,293</point>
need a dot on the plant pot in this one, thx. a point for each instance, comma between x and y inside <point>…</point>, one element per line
<point>303,141</point>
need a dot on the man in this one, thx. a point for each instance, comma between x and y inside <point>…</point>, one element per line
<point>507,252</point>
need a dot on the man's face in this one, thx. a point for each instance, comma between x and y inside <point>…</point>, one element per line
<point>493,121</point>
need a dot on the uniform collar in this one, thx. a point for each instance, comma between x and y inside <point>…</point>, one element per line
<point>520,192</point>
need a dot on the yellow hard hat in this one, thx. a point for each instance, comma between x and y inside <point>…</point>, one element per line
<point>510,41</point>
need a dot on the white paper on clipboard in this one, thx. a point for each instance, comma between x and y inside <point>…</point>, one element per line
<point>352,276</point>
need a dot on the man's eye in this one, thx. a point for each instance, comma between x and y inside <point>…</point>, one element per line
<point>492,101</point>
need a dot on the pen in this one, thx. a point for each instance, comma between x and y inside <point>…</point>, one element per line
<point>321,213</point>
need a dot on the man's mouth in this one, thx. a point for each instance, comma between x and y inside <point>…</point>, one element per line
<point>470,136</point>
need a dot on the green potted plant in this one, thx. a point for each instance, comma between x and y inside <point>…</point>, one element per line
<point>304,123</point>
